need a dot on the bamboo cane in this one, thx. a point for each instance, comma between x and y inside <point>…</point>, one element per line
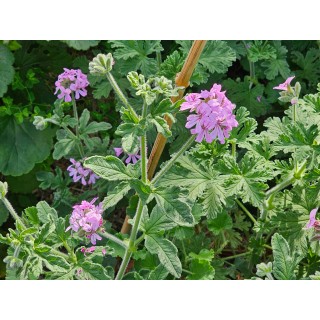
<point>182,79</point>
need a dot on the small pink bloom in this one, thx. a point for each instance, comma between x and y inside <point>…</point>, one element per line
<point>312,220</point>
<point>77,172</point>
<point>259,98</point>
<point>134,157</point>
<point>284,86</point>
<point>118,151</point>
<point>104,251</point>
<point>294,100</point>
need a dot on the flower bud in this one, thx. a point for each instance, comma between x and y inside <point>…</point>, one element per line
<point>39,122</point>
<point>3,189</point>
<point>101,64</point>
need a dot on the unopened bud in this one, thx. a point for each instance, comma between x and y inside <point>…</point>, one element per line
<point>3,189</point>
<point>40,122</point>
<point>101,64</point>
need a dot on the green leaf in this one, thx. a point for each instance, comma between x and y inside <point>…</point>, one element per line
<point>95,271</point>
<point>46,213</point>
<point>278,65</point>
<point>159,273</point>
<point>167,253</point>
<point>309,64</point>
<point>219,224</point>
<point>284,263</point>
<point>246,178</point>
<point>95,127</point>
<point>6,69</point>
<point>241,94</point>
<point>61,229</point>
<point>134,55</point>
<point>158,221</point>
<point>45,231</point>
<point>217,56</point>
<point>81,44</point>
<point>175,207</point>
<point>162,126</point>
<point>261,50</point>
<point>172,65</point>
<point>116,194</point>
<point>142,189</point>
<point>110,168</point>
<point>200,265</point>
<point>130,143</point>
<point>22,146</point>
<point>62,148</point>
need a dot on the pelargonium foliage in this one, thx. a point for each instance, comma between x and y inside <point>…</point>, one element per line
<point>234,195</point>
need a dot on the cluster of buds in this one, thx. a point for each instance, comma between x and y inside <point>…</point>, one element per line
<point>101,64</point>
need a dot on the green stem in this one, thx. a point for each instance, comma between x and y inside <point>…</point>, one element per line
<point>159,59</point>
<point>233,148</point>
<point>113,238</point>
<point>70,251</point>
<point>139,240</point>
<point>246,211</point>
<point>187,271</point>
<point>133,236</point>
<point>131,245</point>
<point>15,216</point>
<point>294,112</point>
<point>237,255</point>
<point>171,162</point>
<point>75,114</point>
<point>280,186</point>
<point>143,149</point>
<point>121,96</point>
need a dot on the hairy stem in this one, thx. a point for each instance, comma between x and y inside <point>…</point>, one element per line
<point>113,238</point>
<point>171,162</point>
<point>135,228</point>
<point>75,114</point>
<point>237,255</point>
<point>15,216</point>
<point>121,96</point>
<point>246,211</point>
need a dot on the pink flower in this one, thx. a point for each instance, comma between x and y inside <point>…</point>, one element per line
<point>259,98</point>
<point>294,100</point>
<point>88,250</point>
<point>104,251</point>
<point>87,218</point>
<point>284,86</point>
<point>118,151</point>
<point>132,157</point>
<point>213,116</point>
<point>77,172</point>
<point>312,220</point>
<point>71,81</point>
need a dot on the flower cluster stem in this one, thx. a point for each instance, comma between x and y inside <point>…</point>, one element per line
<point>113,238</point>
<point>121,96</point>
<point>131,247</point>
<point>13,213</point>
<point>75,114</point>
<point>171,162</point>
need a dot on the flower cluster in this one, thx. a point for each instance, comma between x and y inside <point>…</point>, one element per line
<point>71,81</point>
<point>132,157</point>
<point>86,219</point>
<point>78,173</point>
<point>213,116</point>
